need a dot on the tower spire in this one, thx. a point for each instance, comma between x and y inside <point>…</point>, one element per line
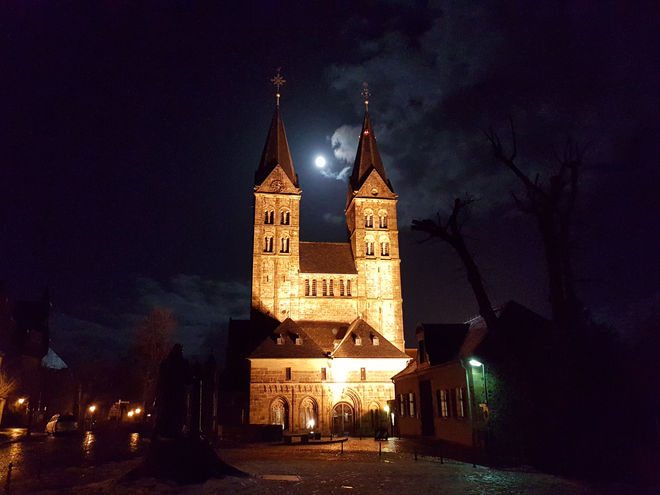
<point>365,95</point>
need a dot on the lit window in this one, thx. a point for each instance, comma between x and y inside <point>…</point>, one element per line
<point>358,340</point>
<point>384,248</point>
<point>284,245</point>
<point>332,288</point>
<point>268,244</point>
<point>307,287</point>
<point>363,374</point>
<point>411,404</point>
<point>460,403</point>
<point>370,248</point>
<point>280,340</point>
<point>314,287</point>
<point>443,403</point>
<point>375,341</point>
<point>382,221</point>
<point>369,220</point>
<point>298,341</point>
<point>348,287</point>
<point>325,287</point>
<point>288,373</point>
<point>285,218</point>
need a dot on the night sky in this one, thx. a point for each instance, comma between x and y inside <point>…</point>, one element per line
<point>131,132</point>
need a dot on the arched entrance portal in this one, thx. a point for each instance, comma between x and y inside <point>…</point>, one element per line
<point>279,413</point>
<point>343,419</point>
<point>308,414</point>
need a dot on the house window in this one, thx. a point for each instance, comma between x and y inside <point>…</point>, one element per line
<point>375,340</point>
<point>288,373</point>
<point>369,245</point>
<point>363,374</point>
<point>382,221</point>
<point>453,407</point>
<point>314,287</point>
<point>324,374</point>
<point>284,247</point>
<point>358,341</point>
<point>411,404</point>
<point>269,216</point>
<point>460,402</point>
<point>348,287</point>
<point>280,340</point>
<point>285,218</point>
<point>307,287</point>
<point>332,288</point>
<point>443,403</point>
<point>402,405</point>
<point>298,341</point>
<point>369,220</point>
<point>325,287</point>
<point>268,244</point>
<point>341,287</point>
<point>384,248</point>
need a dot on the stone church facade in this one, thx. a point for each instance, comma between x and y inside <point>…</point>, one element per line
<point>336,308</point>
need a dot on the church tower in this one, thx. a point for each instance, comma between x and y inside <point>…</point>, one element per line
<point>275,257</point>
<point>374,237</point>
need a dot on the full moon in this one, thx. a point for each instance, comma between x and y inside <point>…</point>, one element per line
<point>320,162</point>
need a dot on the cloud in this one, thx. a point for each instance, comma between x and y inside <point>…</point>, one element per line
<point>334,219</point>
<point>344,142</point>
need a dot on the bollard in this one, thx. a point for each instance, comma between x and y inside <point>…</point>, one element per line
<point>8,482</point>
<point>380,449</point>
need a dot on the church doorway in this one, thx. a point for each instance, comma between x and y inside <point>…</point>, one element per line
<point>308,414</point>
<point>343,419</point>
<point>279,413</point>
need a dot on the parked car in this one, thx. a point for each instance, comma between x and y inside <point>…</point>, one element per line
<point>62,423</point>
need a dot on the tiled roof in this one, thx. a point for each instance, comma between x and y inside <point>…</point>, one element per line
<point>289,331</point>
<point>367,348</point>
<point>324,333</point>
<point>326,257</point>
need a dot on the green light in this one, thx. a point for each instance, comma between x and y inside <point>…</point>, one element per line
<point>475,363</point>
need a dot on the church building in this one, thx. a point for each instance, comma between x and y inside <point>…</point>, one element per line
<point>336,307</point>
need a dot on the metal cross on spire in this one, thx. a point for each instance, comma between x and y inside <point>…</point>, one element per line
<point>278,81</point>
<point>365,95</point>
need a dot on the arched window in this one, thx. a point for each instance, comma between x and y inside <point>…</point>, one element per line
<point>307,287</point>
<point>368,219</point>
<point>341,287</point>
<point>325,287</point>
<point>285,217</point>
<point>382,219</point>
<point>348,287</point>
<point>269,216</point>
<point>384,248</point>
<point>369,247</point>
<point>279,413</point>
<point>332,288</point>
<point>308,414</point>
<point>268,244</point>
<point>314,288</point>
<point>284,245</point>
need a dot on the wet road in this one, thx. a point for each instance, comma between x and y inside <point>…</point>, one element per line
<point>33,457</point>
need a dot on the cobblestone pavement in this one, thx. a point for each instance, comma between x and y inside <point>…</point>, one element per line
<point>316,469</point>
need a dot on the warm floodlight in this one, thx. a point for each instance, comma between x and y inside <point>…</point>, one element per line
<point>130,414</point>
<point>138,410</point>
<point>387,409</point>
<point>92,409</point>
<point>21,400</point>
<point>475,363</point>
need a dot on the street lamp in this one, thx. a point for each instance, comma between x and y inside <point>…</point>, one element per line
<point>92,408</point>
<point>21,401</point>
<point>478,364</point>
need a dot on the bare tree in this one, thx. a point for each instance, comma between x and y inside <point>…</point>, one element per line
<point>449,231</point>
<point>153,340</point>
<point>552,204</point>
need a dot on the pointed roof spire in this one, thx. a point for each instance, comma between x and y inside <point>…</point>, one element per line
<point>367,158</point>
<point>276,150</point>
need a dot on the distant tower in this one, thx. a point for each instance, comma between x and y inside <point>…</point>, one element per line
<point>374,237</point>
<point>275,257</point>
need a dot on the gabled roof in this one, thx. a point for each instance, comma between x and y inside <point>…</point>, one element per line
<point>367,158</point>
<point>349,348</point>
<point>276,152</point>
<point>326,257</point>
<point>289,331</point>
